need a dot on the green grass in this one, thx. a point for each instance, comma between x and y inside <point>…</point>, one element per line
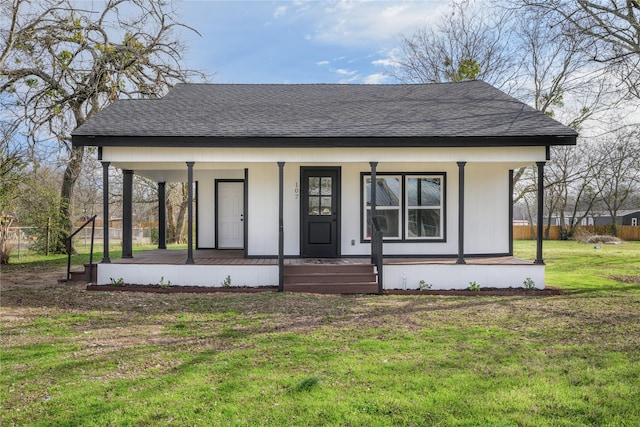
<point>28,259</point>
<point>585,267</point>
<point>71,357</point>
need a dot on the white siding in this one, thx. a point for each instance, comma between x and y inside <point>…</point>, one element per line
<point>486,209</point>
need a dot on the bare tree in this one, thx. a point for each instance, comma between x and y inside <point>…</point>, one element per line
<point>61,64</point>
<point>12,162</point>
<point>611,26</point>
<point>570,187</point>
<point>467,43</point>
<point>620,172</point>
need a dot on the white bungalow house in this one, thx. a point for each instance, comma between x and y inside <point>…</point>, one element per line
<point>281,176</point>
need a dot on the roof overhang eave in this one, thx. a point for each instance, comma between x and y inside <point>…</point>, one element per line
<point>316,142</point>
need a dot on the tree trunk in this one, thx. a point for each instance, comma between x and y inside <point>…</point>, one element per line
<point>175,225</point>
<point>182,212</point>
<point>71,174</point>
<point>171,228</point>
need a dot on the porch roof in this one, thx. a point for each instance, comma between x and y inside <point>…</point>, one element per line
<point>462,114</point>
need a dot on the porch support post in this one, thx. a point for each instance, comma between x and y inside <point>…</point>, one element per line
<point>374,188</point>
<point>245,213</point>
<point>539,259</point>
<point>280,226</point>
<point>127,214</point>
<point>511,212</point>
<point>105,212</point>
<point>162,216</point>
<point>461,166</point>
<point>190,213</point>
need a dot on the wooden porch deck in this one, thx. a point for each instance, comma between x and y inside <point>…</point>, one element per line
<point>236,257</point>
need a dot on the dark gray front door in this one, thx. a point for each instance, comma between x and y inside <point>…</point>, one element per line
<point>320,212</point>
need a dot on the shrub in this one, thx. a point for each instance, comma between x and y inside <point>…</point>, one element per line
<point>585,237</point>
<point>473,286</point>
<point>603,239</point>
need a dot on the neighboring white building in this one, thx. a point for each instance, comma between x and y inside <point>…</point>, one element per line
<point>284,171</point>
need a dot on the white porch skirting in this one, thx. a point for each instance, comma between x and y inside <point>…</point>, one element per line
<point>396,276</point>
<point>189,275</point>
<point>459,276</point>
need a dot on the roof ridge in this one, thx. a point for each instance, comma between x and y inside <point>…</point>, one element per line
<point>333,84</point>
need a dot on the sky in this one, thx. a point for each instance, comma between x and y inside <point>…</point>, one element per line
<point>300,41</point>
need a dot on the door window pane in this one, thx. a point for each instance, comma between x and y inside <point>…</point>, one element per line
<point>325,184</point>
<point>314,186</point>
<point>314,206</point>
<point>325,206</point>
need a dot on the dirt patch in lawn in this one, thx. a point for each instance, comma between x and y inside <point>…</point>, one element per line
<point>40,279</point>
<point>156,289</point>
<point>626,279</point>
<point>482,292</point>
<point>203,289</point>
<point>19,277</point>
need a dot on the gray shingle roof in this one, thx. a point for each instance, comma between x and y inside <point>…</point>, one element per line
<point>212,112</point>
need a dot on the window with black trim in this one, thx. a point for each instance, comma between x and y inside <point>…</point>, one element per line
<point>410,206</point>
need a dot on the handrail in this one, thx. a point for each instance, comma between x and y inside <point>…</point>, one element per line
<point>376,250</point>
<point>91,220</point>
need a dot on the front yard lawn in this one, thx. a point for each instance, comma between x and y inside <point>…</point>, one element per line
<point>72,357</point>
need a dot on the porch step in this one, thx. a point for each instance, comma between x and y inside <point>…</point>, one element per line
<point>331,278</point>
<point>83,275</point>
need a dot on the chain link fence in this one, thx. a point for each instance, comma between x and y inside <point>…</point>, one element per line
<point>21,239</point>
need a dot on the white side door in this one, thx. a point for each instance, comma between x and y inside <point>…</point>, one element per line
<point>230,215</point>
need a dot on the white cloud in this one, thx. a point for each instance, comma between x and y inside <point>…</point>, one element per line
<point>321,63</point>
<point>280,11</point>
<point>390,60</point>
<point>359,23</point>
<point>344,72</point>
<point>376,79</point>
<point>392,11</point>
<point>386,62</point>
